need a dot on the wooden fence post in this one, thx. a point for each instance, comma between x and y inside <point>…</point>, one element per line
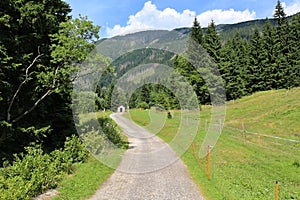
<point>276,192</point>
<point>208,163</point>
<point>244,133</point>
<point>193,144</point>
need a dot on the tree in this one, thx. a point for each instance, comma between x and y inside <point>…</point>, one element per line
<point>293,54</point>
<point>212,42</point>
<point>25,54</point>
<point>281,47</point>
<point>233,67</point>
<point>279,14</point>
<point>255,70</point>
<point>38,43</point>
<point>196,33</point>
<point>268,56</point>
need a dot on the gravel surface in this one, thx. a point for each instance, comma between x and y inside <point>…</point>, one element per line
<point>149,169</point>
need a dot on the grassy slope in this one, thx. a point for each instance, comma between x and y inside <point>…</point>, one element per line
<point>247,171</point>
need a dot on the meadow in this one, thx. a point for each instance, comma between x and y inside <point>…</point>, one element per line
<point>259,145</point>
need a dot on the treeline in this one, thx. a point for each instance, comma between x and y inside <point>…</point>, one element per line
<point>267,59</point>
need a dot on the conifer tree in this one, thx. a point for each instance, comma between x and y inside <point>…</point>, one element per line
<point>268,56</point>
<point>255,71</point>
<point>279,14</point>
<point>281,47</point>
<point>212,42</point>
<point>293,55</point>
<point>196,33</point>
<point>233,67</point>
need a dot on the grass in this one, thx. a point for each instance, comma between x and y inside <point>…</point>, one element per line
<point>246,171</point>
<point>85,181</point>
<point>89,176</point>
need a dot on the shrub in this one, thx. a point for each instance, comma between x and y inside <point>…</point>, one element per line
<point>93,141</point>
<point>34,171</point>
<point>30,174</point>
<point>169,115</point>
<point>75,150</point>
<point>110,131</point>
<point>143,105</point>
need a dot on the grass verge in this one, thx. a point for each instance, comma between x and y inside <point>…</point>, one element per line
<point>89,176</point>
<point>85,181</point>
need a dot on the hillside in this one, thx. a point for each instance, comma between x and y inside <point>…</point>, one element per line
<point>126,55</point>
<point>226,31</point>
<point>246,167</point>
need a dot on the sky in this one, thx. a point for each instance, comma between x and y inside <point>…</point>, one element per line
<point>119,17</point>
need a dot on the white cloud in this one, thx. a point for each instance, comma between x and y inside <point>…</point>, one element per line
<point>225,16</point>
<point>152,18</point>
<point>292,8</point>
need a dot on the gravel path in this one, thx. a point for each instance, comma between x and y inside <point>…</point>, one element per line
<point>149,169</point>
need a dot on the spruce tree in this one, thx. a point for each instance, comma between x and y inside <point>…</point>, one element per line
<point>281,48</point>
<point>212,42</point>
<point>268,56</point>
<point>279,13</point>
<point>293,55</point>
<point>196,33</point>
<point>255,71</point>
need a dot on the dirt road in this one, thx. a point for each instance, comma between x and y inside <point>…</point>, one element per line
<point>149,169</point>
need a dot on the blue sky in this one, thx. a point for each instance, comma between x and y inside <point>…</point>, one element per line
<point>123,16</point>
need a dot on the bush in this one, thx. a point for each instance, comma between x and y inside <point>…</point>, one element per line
<point>75,150</point>
<point>34,172</point>
<point>94,142</point>
<point>110,131</point>
<point>169,115</point>
<point>29,174</point>
<point>143,105</point>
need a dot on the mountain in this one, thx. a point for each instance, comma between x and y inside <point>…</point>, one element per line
<point>227,31</point>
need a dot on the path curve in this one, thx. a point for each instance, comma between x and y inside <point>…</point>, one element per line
<point>144,172</point>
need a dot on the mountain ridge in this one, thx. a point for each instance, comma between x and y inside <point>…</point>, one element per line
<point>227,31</point>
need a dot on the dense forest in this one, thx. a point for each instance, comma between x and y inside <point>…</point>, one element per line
<point>262,57</point>
<point>39,45</point>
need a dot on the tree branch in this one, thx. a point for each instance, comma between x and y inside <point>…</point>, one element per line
<point>49,92</point>
<point>33,107</point>
<point>27,75</point>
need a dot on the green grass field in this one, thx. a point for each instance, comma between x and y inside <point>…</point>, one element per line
<point>245,170</point>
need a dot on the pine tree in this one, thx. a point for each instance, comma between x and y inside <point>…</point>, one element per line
<point>212,42</point>
<point>281,47</point>
<point>293,55</point>
<point>255,71</point>
<point>268,56</point>
<point>196,33</point>
<point>279,13</point>
<point>233,67</point>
